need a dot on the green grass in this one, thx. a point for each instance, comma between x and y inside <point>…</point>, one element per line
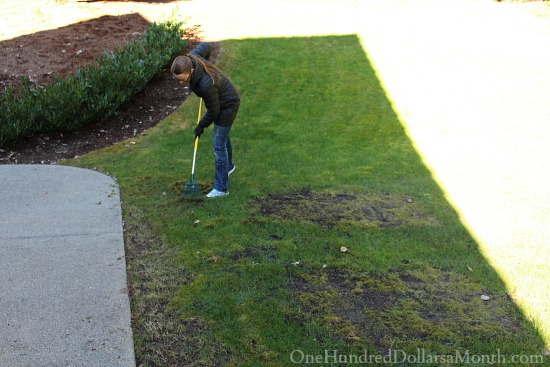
<point>246,286</point>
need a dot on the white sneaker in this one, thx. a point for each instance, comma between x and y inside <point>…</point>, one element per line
<point>231,171</point>
<point>216,193</point>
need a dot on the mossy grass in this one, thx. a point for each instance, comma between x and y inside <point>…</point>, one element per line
<point>222,282</point>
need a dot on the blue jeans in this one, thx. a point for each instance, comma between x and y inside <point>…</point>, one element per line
<point>223,154</point>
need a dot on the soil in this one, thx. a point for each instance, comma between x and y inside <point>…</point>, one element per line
<point>369,209</point>
<point>360,306</point>
<point>43,56</point>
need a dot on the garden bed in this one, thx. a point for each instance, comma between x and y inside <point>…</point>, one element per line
<point>44,55</point>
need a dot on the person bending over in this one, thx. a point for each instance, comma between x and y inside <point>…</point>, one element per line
<point>222,101</point>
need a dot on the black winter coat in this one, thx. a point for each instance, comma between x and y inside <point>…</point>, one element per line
<point>221,98</point>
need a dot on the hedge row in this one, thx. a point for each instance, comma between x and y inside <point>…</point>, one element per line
<point>93,92</point>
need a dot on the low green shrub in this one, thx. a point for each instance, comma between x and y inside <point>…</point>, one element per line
<point>93,92</point>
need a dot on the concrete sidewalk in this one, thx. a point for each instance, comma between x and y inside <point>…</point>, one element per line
<point>63,290</point>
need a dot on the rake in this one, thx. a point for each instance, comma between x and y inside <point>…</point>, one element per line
<point>191,190</point>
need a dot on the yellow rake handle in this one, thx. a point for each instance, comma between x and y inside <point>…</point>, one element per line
<point>196,141</point>
<point>198,120</point>
<point>200,111</point>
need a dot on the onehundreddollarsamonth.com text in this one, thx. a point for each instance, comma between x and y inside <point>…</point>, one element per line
<point>421,356</point>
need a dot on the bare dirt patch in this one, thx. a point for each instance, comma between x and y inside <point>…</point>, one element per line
<point>427,308</point>
<point>259,254</point>
<point>369,209</point>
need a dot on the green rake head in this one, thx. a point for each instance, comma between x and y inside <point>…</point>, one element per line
<point>191,191</point>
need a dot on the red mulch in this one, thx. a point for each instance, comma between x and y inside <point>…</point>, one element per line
<point>43,55</point>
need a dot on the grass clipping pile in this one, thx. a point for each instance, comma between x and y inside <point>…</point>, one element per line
<point>328,209</point>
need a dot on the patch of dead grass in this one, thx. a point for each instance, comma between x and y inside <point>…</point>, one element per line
<point>162,335</point>
<point>329,209</point>
<point>405,308</point>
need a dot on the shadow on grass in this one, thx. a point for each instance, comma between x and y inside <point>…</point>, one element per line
<point>335,240</point>
<point>430,286</point>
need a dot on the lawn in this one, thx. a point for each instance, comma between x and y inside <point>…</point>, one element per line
<point>334,237</point>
